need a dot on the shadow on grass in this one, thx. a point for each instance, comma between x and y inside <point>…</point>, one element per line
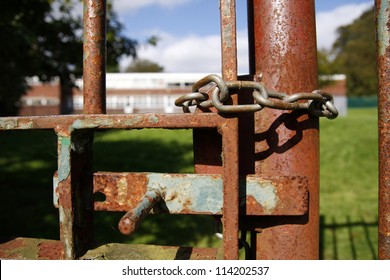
<point>142,155</point>
<point>28,160</point>
<point>351,240</point>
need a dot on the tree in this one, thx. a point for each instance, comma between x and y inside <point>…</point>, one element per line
<point>325,67</point>
<point>44,38</point>
<point>144,65</point>
<point>62,48</point>
<point>355,54</point>
<point>21,24</point>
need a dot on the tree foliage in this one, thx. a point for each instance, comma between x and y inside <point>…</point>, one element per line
<point>21,26</point>
<point>325,67</point>
<point>355,54</point>
<point>44,38</point>
<point>144,66</point>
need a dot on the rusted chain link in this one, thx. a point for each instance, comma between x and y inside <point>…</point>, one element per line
<point>318,103</point>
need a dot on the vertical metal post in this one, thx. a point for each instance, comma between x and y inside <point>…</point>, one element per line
<point>230,133</point>
<point>383,59</point>
<point>283,51</point>
<point>94,60</point>
<point>74,191</point>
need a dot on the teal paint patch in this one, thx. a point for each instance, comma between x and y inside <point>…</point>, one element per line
<point>92,123</point>
<point>132,121</point>
<point>188,193</point>
<point>26,125</point>
<point>64,158</point>
<point>153,119</point>
<point>147,202</point>
<point>383,35</point>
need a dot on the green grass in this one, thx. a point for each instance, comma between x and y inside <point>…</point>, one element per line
<point>349,181</point>
<point>28,160</point>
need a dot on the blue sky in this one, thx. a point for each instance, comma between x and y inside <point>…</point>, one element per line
<point>189,29</point>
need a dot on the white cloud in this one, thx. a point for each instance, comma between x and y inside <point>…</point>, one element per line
<point>192,53</point>
<point>329,21</point>
<point>124,6</point>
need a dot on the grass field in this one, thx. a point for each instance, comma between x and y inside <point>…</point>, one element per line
<point>348,185</point>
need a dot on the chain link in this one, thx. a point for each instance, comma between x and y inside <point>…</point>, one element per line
<point>318,103</point>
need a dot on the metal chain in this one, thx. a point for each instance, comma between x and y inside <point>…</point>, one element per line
<point>318,103</point>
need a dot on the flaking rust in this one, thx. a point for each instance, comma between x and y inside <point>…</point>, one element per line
<point>283,52</point>
<point>383,58</point>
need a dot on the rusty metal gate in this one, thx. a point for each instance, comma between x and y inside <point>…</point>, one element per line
<point>256,154</point>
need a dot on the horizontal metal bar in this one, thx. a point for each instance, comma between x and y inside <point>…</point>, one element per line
<point>117,121</point>
<point>199,193</point>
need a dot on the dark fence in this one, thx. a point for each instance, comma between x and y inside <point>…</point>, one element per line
<point>363,102</point>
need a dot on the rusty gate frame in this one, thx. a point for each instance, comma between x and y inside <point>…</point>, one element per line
<point>282,53</point>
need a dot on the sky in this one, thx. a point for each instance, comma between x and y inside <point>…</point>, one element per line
<point>188,30</point>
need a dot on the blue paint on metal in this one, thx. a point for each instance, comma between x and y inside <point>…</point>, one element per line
<point>264,192</point>
<point>204,193</point>
<point>147,202</point>
<point>201,193</point>
<point>63,158</point>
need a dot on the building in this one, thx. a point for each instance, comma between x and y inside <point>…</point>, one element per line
<point>139,93</point>
<point>338,88</point>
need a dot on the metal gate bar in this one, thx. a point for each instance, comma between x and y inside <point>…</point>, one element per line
<point>94,61</point>
<point>383,60</point>
<point>230,142</point>
<point>283,53</point>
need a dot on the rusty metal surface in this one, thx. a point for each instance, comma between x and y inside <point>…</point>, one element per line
<point>41,249</point>
<point>230,218</point>
<point>135,121</point>
<point>94,61</point>
<point>75,191</point>
<point>383,58</point>
<point>133,219</point>
<point>113,251</point>
<point>283,52</point>
<point>31,249</point>
<point>200,193</point>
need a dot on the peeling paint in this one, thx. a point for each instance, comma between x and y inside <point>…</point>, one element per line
<point>265,194</point>
<point>26,125</point>
<point>201,193</point>
<point>63,158</point>
<point>122,191</point>
<point>136,119</point>
<point>153,119</point>
<point>92,123</point>
<point>383,32</point>
<point>188,193</point>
